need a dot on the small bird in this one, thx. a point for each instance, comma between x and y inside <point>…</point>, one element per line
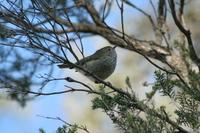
<point>102,63</point>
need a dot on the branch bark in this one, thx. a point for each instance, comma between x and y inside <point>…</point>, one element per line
<point>185,31</point>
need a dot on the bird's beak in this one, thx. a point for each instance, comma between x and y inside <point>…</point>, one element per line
<point>114,47</point>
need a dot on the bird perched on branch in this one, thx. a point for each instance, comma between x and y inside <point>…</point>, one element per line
<point>102,63</point>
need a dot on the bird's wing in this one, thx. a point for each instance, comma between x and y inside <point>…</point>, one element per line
<point>86,59</point>
<point>81,62</point>
<point>64,65</point>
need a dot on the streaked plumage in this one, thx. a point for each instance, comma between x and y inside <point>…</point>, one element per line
<point>102,63</point>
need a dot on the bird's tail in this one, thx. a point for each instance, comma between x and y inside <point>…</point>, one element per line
<point>65,66</point>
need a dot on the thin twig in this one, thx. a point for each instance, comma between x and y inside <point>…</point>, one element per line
<point>66,123</point>
<point>186,32</point>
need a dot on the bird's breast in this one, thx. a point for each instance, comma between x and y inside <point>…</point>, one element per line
<point>102,68</point>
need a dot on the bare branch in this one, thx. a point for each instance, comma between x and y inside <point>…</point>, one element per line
<point>66,123</point>
<point>121,7</point>
<point>91,9</point>
<point>161,20</point>
<point>142,11</point>
<point>186,32</point>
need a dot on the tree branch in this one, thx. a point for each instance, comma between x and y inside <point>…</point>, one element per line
<point>186,32</point>
<point>91,9</point>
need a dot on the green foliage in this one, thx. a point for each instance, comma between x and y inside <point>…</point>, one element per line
<point>125,112</point>
<point>64,129</point>
<point>18,73</point>
<point>21,85</point>
<point>69,129</point>
<point>164,84</point>
<point>187,97</point>
<point>188,112</point>
<point>195,81</point>
<point>41,130</point>
<point>17,88</point>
